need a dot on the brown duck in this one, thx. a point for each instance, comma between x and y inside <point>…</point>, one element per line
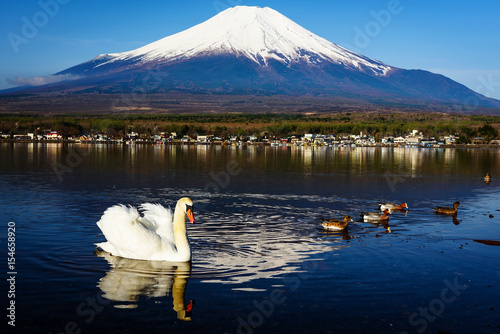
<point>446,210</point>
<point>335,224</point>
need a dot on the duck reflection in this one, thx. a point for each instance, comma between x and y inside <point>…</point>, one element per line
<point>454,217</point>
<point>382,223</point>
<point>344,233</point>
<point>402,211</point>
<point>128,279</point>
<point>385,224</point>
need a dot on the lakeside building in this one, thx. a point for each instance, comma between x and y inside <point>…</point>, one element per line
<point>428,141</point>
<point>400,140</point>
<point>252,139</point>
<point>309,137</point>
<point>387,140</point>
<point>413,139</point>
<point>53,135</point>
<point>478,140</point>
<point>204,138</point>
<point>451,139</point>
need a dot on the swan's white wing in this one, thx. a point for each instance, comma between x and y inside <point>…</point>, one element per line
<point>160,218</point>
<point>127,234</point>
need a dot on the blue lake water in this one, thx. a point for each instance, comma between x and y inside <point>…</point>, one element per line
<point>261,261</point>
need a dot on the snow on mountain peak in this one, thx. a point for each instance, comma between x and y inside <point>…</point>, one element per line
<point>258,33</point>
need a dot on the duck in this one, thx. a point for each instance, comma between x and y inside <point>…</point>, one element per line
<point>447,210</point>
<point>393,206</point>
<point>157,234</point>
<point>336,224</point>
<point>375,216</point>
<point>487,178</point>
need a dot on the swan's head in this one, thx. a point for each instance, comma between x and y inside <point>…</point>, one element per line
<point>186,204</point>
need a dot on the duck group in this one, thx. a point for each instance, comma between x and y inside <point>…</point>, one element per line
<point>382,216</point>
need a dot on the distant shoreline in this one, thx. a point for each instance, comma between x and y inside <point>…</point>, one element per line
<point>178,142</point>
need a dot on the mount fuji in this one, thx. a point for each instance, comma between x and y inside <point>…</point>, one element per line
<point>258,51</point>
<point>261,35</point>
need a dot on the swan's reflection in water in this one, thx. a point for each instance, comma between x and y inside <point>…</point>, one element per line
<point>129,279</point>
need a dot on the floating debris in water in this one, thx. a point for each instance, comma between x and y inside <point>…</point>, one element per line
<point>488,242</point>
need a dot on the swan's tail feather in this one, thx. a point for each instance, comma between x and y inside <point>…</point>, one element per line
<point>127,233</point>
<point>105,246</point>
<point>120,211</point>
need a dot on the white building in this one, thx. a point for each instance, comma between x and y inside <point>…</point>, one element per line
<point>53,135</point>
<point>204,138</point>
<point>411,140</point>
<point>309,137</point>
<point>399,140</point>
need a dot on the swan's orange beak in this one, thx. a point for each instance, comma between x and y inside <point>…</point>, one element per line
<point>190,215</point>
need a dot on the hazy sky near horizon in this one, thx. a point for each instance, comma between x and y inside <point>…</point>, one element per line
<point>459,39</point>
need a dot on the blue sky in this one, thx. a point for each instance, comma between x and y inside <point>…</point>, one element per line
<point>460,39</point>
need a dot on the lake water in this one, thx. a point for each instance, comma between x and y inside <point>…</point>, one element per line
<point>261,261</point>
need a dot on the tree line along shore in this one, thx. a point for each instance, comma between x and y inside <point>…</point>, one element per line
<point>269,126</point>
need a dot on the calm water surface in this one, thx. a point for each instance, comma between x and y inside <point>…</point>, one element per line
<point>261,261</point>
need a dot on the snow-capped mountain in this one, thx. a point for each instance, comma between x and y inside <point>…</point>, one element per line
<point>258,51</point>
<point>260,34</point>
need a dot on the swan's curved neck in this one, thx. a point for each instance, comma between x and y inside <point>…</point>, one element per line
<point>180,234</point>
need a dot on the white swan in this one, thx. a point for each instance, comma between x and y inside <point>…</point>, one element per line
<point>157,235</point>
